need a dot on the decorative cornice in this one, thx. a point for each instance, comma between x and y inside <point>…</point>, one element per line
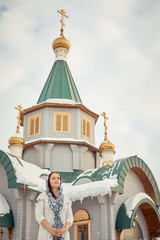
<point>58,105</point>
<point>90,147</point>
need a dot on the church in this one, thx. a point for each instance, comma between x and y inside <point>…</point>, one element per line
<point>111,199</point>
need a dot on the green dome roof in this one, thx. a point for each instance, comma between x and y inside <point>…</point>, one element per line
<point>60,84</point>
<point>6,215</point>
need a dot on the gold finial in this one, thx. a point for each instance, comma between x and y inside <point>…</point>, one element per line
<point>62,12</point>
<point>19,108</point>
<point>105,126</point>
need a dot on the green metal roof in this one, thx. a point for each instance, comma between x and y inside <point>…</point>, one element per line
<point>9,169</point>
<point>119,170</point>
<point>7,220</point>
<point>123,221</point>
<point>68,177</point>
<point>60,84</point>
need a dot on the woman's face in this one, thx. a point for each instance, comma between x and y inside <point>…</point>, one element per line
<point>55,180</point>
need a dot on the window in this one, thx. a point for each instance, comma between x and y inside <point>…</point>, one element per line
<point>34,125</point>
<point>82,225</point>
<point>86,128</point>
<point>62,122</point>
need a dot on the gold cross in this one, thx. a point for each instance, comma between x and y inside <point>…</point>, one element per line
<point>19,108</point>
<point>62,12</point>
<point>105,126</point>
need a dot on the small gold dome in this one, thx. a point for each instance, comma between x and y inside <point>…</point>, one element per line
<point>16,140</point>
<point>61,42</point>
<point>106,145</point>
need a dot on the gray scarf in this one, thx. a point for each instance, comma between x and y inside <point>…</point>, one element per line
<point>56,206</point>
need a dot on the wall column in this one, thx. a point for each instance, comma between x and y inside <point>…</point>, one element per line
<point>83,150</point>
<point>113,198</point>
<point>40,150</point>
<point>30,197</point>
<point>74,149</point>
<point>20,197</point>
<point>104,222</point>
<point>48,149</point>
<point>98,160</point>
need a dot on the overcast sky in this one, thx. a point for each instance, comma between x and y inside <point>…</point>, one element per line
<point>114,59</point>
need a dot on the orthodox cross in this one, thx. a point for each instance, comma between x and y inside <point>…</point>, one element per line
<point>19,108</point>
<point>105,126</point>
<point>62,12</point>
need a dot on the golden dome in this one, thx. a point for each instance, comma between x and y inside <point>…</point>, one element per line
<point>106,145</point>
<point>61,42</point>
<point>16,140</point>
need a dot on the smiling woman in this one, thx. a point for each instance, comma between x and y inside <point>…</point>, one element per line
<point>53,210</point>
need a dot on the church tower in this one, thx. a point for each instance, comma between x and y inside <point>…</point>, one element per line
<point>59,131</point>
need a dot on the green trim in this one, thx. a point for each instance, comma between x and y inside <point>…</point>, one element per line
<point>127,164</point>
<point>68,177</point>
<point>33,190</point>
<point>119,170</point>
<point>90,178</point>
<point>123,221</point>
<point>9,169</point>
<point>7,220</point>
<point>59,84</point>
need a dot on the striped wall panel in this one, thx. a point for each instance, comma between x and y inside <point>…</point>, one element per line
<point>92,206</point>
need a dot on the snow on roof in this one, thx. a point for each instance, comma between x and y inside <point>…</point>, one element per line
<point>62,101</point>
<point>4,207</point>
<point>102,172</point>
<point>59,101</point>
<point>88,172</point>
<point>91,189</point>
<point>131,203</point>
<point>55,139</point>
<point>28,173</point>
<point>60,140</point>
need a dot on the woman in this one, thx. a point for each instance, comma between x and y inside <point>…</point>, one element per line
<point>53,211</point>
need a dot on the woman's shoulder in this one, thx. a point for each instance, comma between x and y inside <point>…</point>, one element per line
<point>67,199</point>
<point>42,196</point>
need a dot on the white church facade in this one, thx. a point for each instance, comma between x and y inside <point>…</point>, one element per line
<point>117,200</point>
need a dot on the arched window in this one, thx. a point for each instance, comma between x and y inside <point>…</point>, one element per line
<point>82,225</point>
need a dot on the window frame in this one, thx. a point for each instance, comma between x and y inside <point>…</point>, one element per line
<point>87,121</point>
<point>34,126</point>
<point>82,218</point>
<point>62,114</point>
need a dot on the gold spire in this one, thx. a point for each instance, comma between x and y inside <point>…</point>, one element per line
<point>62,12</point>
<point>106,145</point>
<point>19,108</point>
<point>105,126</point>
<point>61,42</point>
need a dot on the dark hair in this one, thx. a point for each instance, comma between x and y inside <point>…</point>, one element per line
<point>49,185</point>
